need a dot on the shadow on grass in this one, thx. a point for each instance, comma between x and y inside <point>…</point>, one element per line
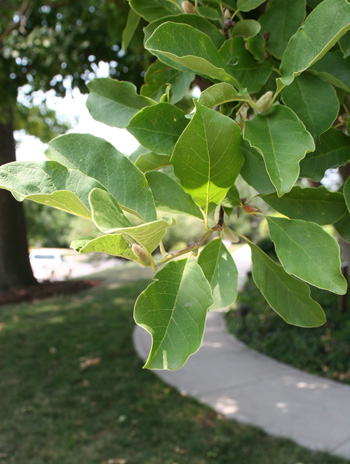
<point>72,391</point>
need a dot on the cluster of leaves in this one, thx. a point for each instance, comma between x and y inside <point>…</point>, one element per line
<point>276,110</point>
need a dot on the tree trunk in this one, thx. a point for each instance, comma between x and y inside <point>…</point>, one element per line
<point>15,269</point>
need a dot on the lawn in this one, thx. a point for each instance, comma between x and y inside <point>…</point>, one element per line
<point>73,391</point>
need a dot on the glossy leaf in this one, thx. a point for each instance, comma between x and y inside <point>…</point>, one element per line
<point>151,161</point>
<point>220,271</point>
<point>344,44</point>
<point>332,151</point>
<point>314,101</point>
<point>243,67</point>
<point>346,193</point>
<point>156,8</point>
<point>246,28</point>
<point>106,213</point>
<point>206,158</point>
<point>282,140</point>
<point>198,22</point>
<point>221,93</point>
<point>209,13</point>
<point>343,227</point>
<point>98,159</point>
<point>311,204</point>
<point>115,245</point>
<point>322,29</point>
<point>247,5</point>
<point>256,46</point>
<point>281,20</point>
<point>334,69</point>
<point>187,49</point>
<point>286,295</point>
<point>49,183</point>
<point>159,75</point>
<point>130,28</point>
<point>173,310</point>
<point>232,198</point>
<point>170,196</point>
<point>254,170</point>
<point>114,102</point>
<point>308,252</point>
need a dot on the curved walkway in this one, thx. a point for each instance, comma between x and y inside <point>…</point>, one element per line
<point>247,386</point>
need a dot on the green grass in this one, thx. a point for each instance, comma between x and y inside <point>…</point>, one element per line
<point>322,351</point>
<point>53,411</point>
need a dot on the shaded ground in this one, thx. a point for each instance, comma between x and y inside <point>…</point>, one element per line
<point>46,290</point>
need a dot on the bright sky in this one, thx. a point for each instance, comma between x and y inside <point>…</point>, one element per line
<point>73,108</point>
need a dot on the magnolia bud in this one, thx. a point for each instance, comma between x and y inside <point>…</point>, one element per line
<point>188,7</point>
<point>142,254</point>
<point>264,103</point>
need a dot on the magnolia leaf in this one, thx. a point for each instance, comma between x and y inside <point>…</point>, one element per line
<point>140,150</point>
<point>206,158</point>
<point>49,183</point>
<point>247,5</point>
<point>283,141</point>
<point>332,151</point>
<point>155,9</point>
<point>323,27</point>
<point>344,44</point>
<point>311,204</point>
<point>170,196</point>
<point>286,295</point>
<point>151,161</point>
<point>130,28</point>
<point>232,198</point>
<point>158,127</point>
<point>343,227</point>
<point>220,271</point>
<point>308,252</point>
<point>114,102</point>
<point>281,20</point>
<point>346,192</point>
<point>209,13</point>
<point>314,101</point>
<point>106,212</point>
<point>159,75</point>
<point>187,49</point>
<point>98,159</point>
<point>334,68</point>
<point>198,22</point>
<point>246,28</point>
<point>254,170</point>
<point>221,93</point>
<point>115,245</point>
<point>173,310</point>
<point>243,67</point>
<point>256,46</point>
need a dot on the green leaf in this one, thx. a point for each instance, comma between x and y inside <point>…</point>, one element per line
<point>209,13</point>
<point>311,204</point>
<point>218,94</point>
<point>254,170</point>
<point>308,252</point>
<point>49,183</point>
<point>322,29</point>
<point>198,22</point>
<point>173,310</point>
<point>158,127</point>
<point>314,101</point>
<point>241,64</point>
<point>106,213</point>
<point>286,295</point>
<point>281,20</point>
<point>130,28</point>
<point>159,75</point>
<point>156,8</point>
<point>206,157</point>
<point>246,28</point>
<point>98,159</point>
<point>170,196</point>
<point>232,198</point>
<point>247,5</point>
<point>346,193</point>
<point>256,46</point>
<point>221,272</point>
<point>344,44</point>
<point>114,102</point>
<point>282,140</point>
<point>343,227</point>
<point>187,49</point>
<point>115,245</point>
<point>151,161</point>
<point>332,151</point>
<point>334,69</point>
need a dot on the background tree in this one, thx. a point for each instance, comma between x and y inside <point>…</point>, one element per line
<point>42,43</point>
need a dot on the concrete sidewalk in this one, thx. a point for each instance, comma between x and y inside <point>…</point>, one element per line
<point>247,386</point>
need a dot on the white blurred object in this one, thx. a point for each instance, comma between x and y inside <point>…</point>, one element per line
<point>48,264</point>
